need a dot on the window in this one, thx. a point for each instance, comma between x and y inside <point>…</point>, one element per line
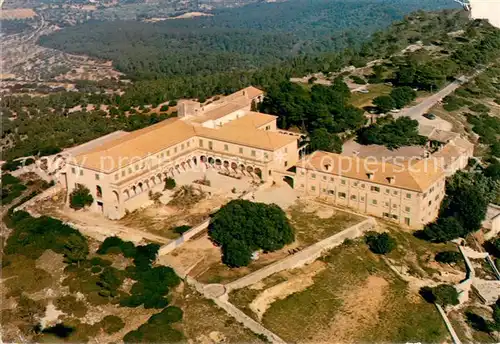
<point>361,199</point>
<point>394,206</point>
<point>313,188</point>
<point>331,192</point>
<point>375,189</point>
<point>323,190</point>
<point>374,202</point>
<point>286,150</point>
<point>395,217</point>
<point>123,173</point>
<point>81,172</point>
<point>436,198</point>
<point>175,150</point>
<point>342,182</point>
<point>188,143</point>
<point>395,193</point>
<point>136,167</point>
<point>210,145</point>
<point>387,191</point>
<point>301,185</point>
<point>331,179</point>
<point>200,143</point>
<point>129,170</point>
<point>355,184</point>
<point>116,176</point>
<point>266,156</point>
<point>386,204</point>
<point>73,170</point>
<point>302,173</point>
<point>253,153</point>
<point>182,146</point>
<point>407,209</point>
<point>286,163</point>
<point>226,148</point>
<point>342,195</point>
<point>386,215</point>
<point>425,195</point>
<point>430,202</point>
<point>97,176</point>
<point>241,150</point>
<point>168,153</point>
<point>407,221</point>
<point>362,186</point>
<point>313,176</point>
<point>353,197</point>
<point>268,127</point>
<point>408,195</point>
<point>324,177</point>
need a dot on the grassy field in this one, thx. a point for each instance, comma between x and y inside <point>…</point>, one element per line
<point>205,322</point>
<point>365,99</point>
<point>355,297</point>
<point>313,313</point>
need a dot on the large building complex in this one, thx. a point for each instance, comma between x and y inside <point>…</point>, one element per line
<point>224,134</point>
<point>121,169</point>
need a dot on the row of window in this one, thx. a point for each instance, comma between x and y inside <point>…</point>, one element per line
<point>241,150</point>
<point>356,183</point>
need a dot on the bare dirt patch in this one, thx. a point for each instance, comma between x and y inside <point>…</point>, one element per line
<point>17,13</point>
<point>359,311</point>
<point>280,291</point>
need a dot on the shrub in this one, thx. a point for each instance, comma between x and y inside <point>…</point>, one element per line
<point>443,294</point>
<point>448,257</point>
<point>169,315</point>
<point>380,243</point>
<point>357,80</point>
<point>95,269</point>
<point>114,244</point>
<point>164,108</point>
<point>442,230</point>
<point>169,183</point>
<point>111,324</point>
<point>479,108</point>
<point>172,103</point>
<point>80,198</point>
<point>70,305</point>
<point>98,261</point>
<point>157,329</point>
<point>11,165</point>
<point>181,229</point>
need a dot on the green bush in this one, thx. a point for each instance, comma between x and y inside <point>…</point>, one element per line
<point>80,198</point>
<point>164,108</point>
<point>70,305</point>
<point>172,103</point>
<point>181,229</point>
<point>11,165</point>
<point>98,261</point>
<point>114,245</point>
<point>241,227</point>
<point>448,257</point>
<point>169,183</point>
<point>380,243</point>
<point>357,80</point>
<point>443,294</point>
<point>96,269</point>
<point>111,324</point>
<point>158,328</point>
<point>479,108</point>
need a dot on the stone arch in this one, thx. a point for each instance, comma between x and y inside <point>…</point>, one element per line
<point>146,184</point>
<point>203,159</point>
<point>234,165</point>
<point>117,197</point>
<point>140,185</point>
<point>218,162</point>
<point>98,191</point>
<point>258,172</point>
<point>211,160</point>
<point>134,189</point>
<point>249,169</point>
<point>158,176</point>
<point>126,194</point>
<point>183,165</point>
<point>153,181</point>
<point>195,161</point>
<point>226,164</point>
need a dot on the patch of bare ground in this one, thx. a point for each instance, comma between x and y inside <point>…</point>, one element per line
<point>297,283</point>
<point>359,311</point>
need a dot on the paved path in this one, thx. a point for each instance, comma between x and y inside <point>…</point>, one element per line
<point>306,256</point>
<point>416,112</point>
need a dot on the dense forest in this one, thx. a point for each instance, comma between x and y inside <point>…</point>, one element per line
<point>310,110</point>
<point>252,36</point>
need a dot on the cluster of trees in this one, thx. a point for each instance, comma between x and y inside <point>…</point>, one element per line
<point>158,328</point>
<point>242,227</point>
<point>464,207</point>
<point>448,257</point>
<point>321,111</point>
<point>485,325</point>
<point>443,295</point>
<point>392,133</point>
<point>487,127</point>
<point>397,99</point>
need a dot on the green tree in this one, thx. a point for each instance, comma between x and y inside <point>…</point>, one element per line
<point>384,103</point>
<point>169,183</point>
<point>493,171</point>
<point>443,294</point>
<point>241,227</point>
<point>448,257</point>
<point>443,229</point>
<point>380,243</point>
<point>321,139</point>
<point>402,96</point>
<point>80,197</point>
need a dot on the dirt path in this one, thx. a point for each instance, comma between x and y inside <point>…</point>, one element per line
<point>280,291</point>
<point>359,312</point>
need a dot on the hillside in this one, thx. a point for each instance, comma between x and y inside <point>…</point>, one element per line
<point>252,36</point>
